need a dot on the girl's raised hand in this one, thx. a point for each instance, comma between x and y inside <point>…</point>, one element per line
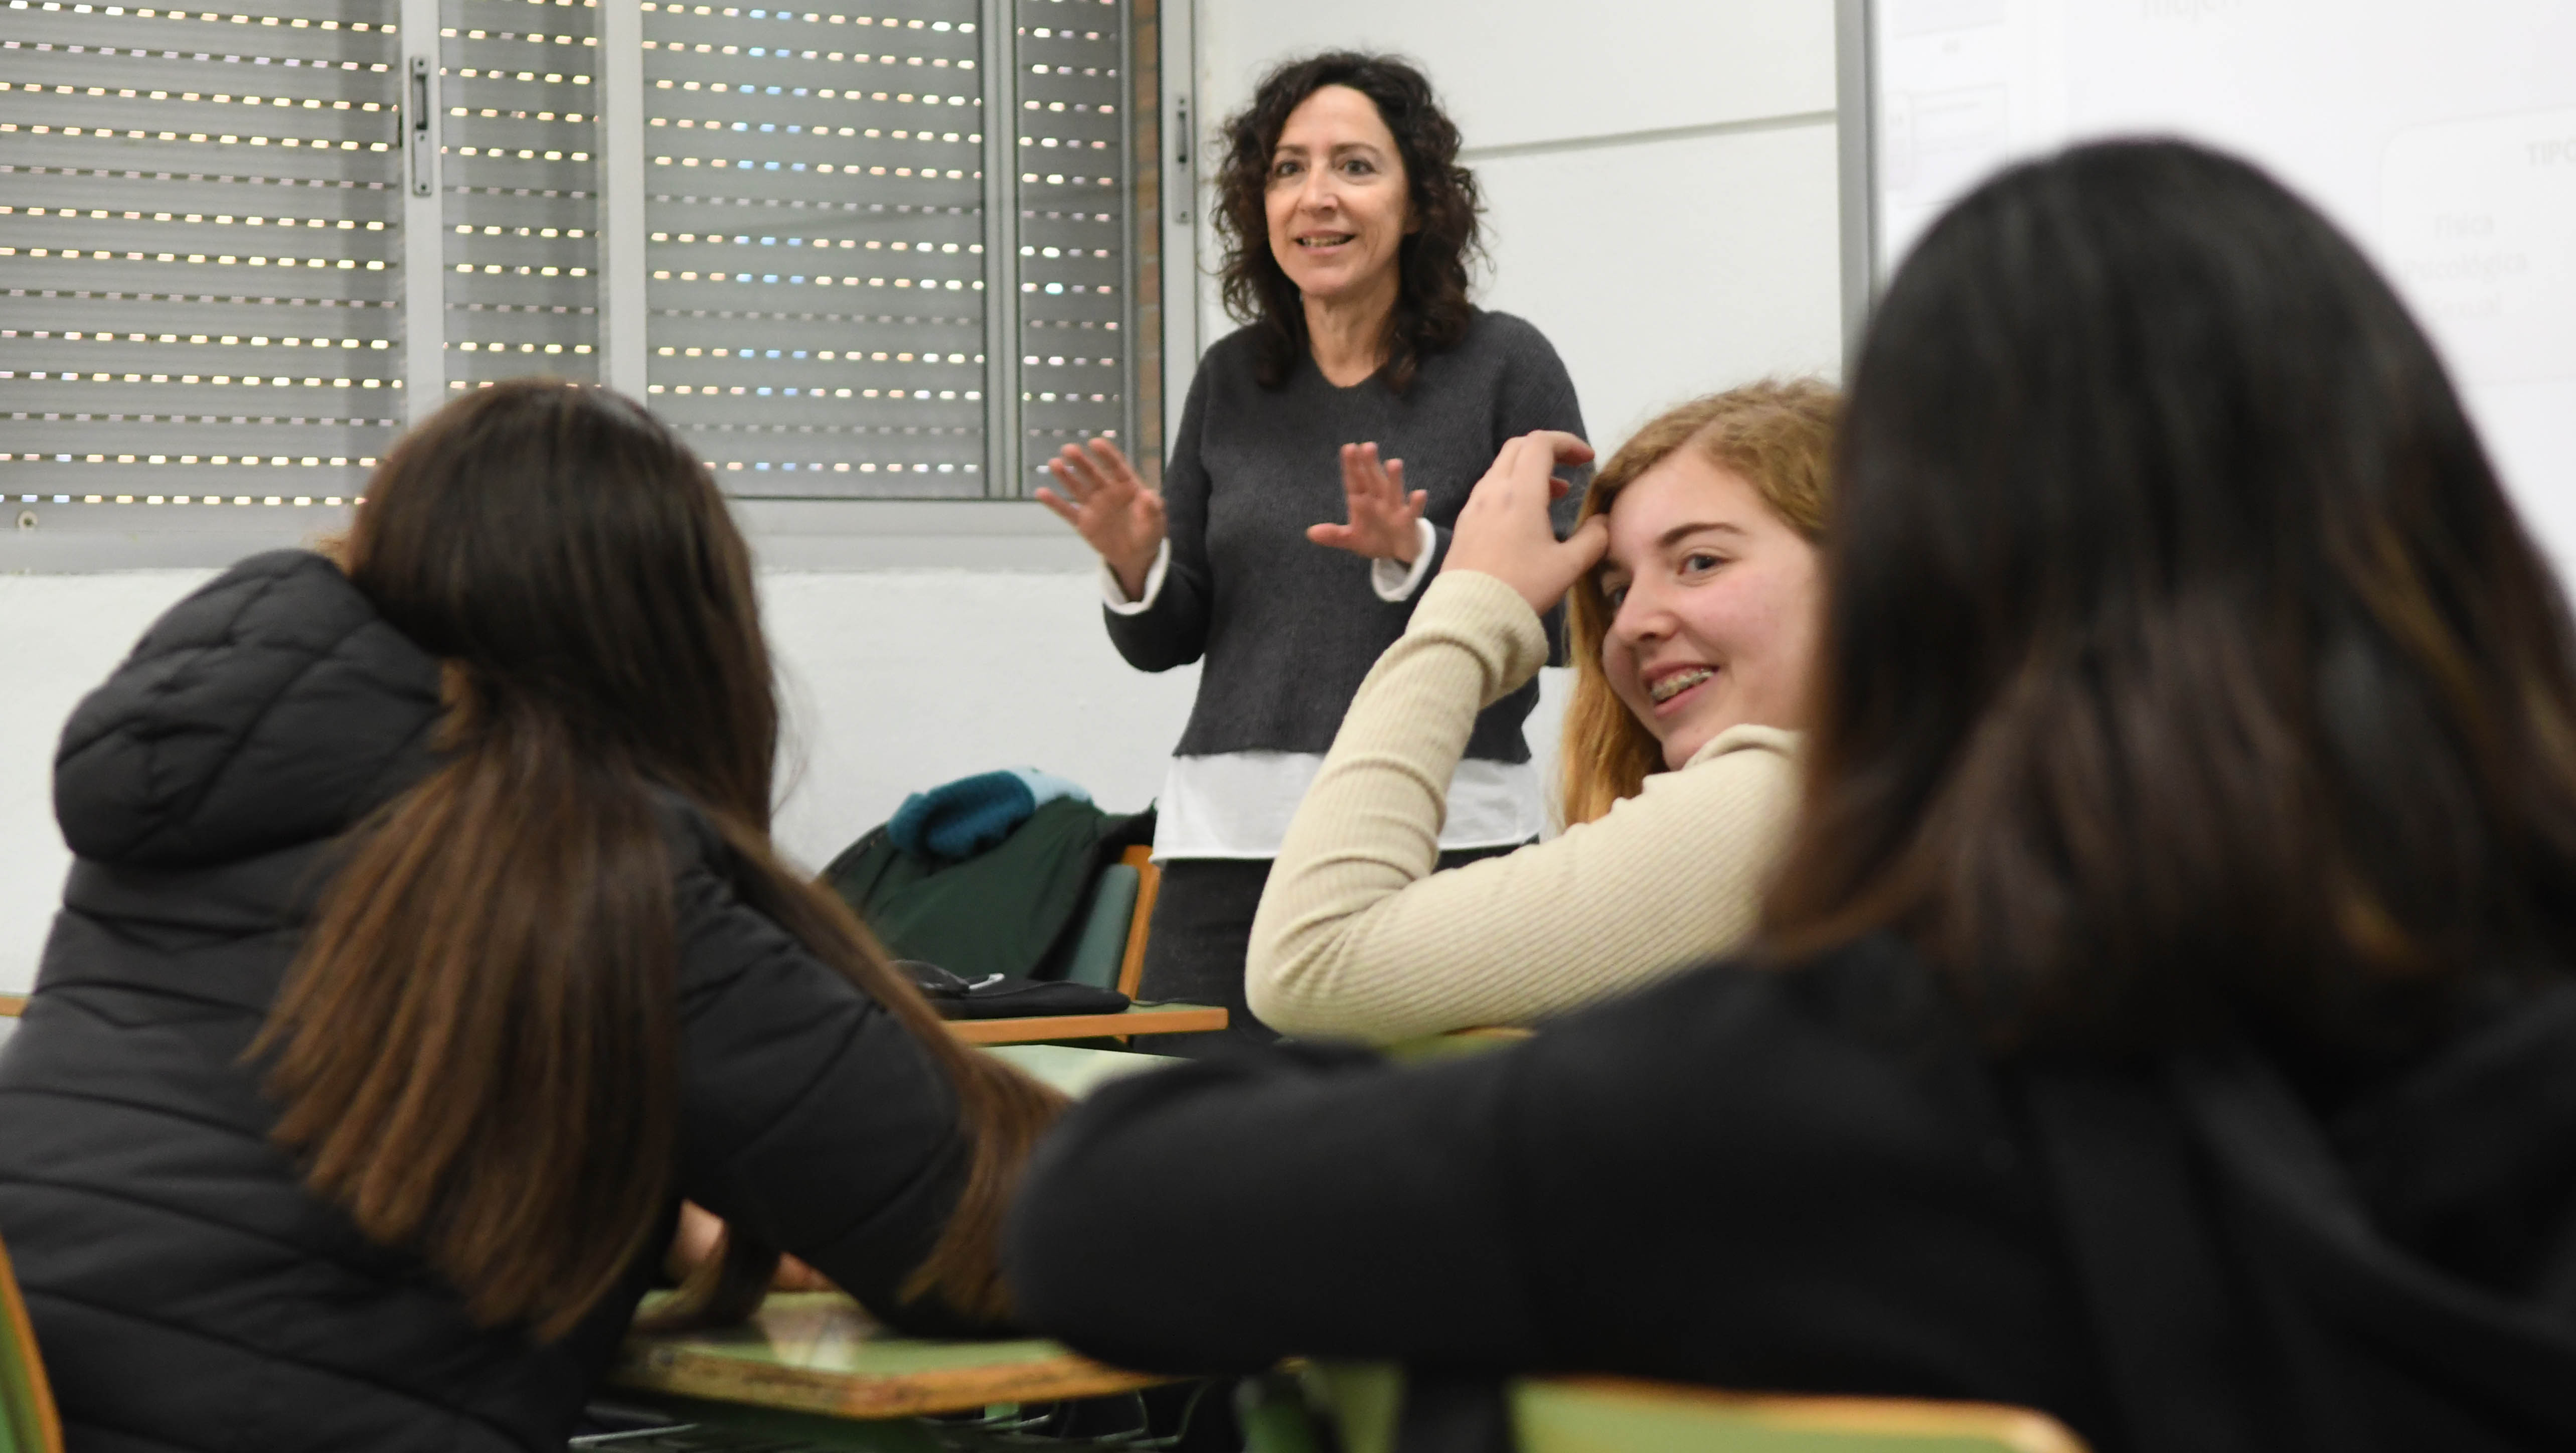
<point>1504,531</point>
<point>1109,507</point>
<point>1385,522</point>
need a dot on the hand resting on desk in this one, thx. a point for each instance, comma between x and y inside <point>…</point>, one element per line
<point>700,1239</point>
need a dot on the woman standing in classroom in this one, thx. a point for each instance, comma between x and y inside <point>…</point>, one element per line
<point>1349,225</point>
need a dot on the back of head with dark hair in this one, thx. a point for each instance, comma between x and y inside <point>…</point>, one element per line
<point>2184,659</point>
<point>476,1053</point>
<point>1431,307</point>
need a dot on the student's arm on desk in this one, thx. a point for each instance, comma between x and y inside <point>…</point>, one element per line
<point>1802,1179</point>
<point>1218,1216</point>
<point>808,1113</point>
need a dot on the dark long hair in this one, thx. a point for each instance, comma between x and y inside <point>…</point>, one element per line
<point>2185,663</point>
<point>1431,307</point>
<point>477,1049</point>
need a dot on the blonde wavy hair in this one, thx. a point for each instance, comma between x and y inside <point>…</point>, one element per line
<point>1778,436</point>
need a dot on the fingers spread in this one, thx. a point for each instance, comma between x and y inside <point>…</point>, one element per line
<point>1105,457</point>
<point>1075,471</point>
<point>1355,475</point>
<point>1062,508</point>
<point>1364,481</point>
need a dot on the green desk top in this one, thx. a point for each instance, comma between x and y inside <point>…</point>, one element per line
<point>1074,1070</point>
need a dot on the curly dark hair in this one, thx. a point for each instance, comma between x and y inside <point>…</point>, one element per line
<point>1431,307</point>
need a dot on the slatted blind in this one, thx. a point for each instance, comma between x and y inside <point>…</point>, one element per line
<point>817,254</point>
<point>201,218</point>
<point>1076,229</point>
<point>197,239</point>
<point>519,177</point>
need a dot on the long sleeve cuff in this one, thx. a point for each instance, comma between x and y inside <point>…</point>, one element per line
<point>1394,580</point>
<point>1114,595</point>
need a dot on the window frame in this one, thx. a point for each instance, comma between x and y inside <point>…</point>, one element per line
<point>784,534</point>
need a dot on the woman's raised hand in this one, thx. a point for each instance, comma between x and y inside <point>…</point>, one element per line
<point>1109,507</point>
<point>1385,522</point>
<point>1505,532</point>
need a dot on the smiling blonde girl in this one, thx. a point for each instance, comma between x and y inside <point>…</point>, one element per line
<point>1692,577</point>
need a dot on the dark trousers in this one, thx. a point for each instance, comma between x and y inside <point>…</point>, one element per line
<point>1201,930</point>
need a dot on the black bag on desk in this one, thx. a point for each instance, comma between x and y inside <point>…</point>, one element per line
<point>1013,909</point>
<point>1004,997</point>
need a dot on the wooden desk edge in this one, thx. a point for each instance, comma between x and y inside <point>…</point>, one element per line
<point>718,1378</point>
<point>2024,1429</point>
<point>1087,1026</point>
<point>992,1031</point>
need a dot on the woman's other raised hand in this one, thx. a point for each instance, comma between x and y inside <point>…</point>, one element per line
<point>1504,530</point>
<point>1385,522</point>
<point>1109,507</point>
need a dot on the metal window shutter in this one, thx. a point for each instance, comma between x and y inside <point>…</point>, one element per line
<point>201,235</point>
<point>199,245</point>
<point>519,97</point>
<point>1076,231</point>
<point>816,254</point>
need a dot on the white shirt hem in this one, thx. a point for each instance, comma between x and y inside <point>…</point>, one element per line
<point>1237,805</point>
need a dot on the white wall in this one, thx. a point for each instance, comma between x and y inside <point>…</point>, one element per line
<point>1694,255</point>
<point>899,681</point>
<point>1659,174</point>
<point>893,681</point>
<point>65,632</point>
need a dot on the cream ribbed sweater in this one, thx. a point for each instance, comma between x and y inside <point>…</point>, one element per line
<point>1358,938</point>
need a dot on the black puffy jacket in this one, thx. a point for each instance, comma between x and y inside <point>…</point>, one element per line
<point>187,1291</point>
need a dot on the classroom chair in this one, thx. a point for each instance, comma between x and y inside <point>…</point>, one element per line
<point>1109,947</point>
<point>1360,1403</point>
<point>27,1421</point>
<point>1149,881</point>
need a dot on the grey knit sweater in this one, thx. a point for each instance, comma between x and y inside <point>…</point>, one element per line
<point>1288,627</point>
